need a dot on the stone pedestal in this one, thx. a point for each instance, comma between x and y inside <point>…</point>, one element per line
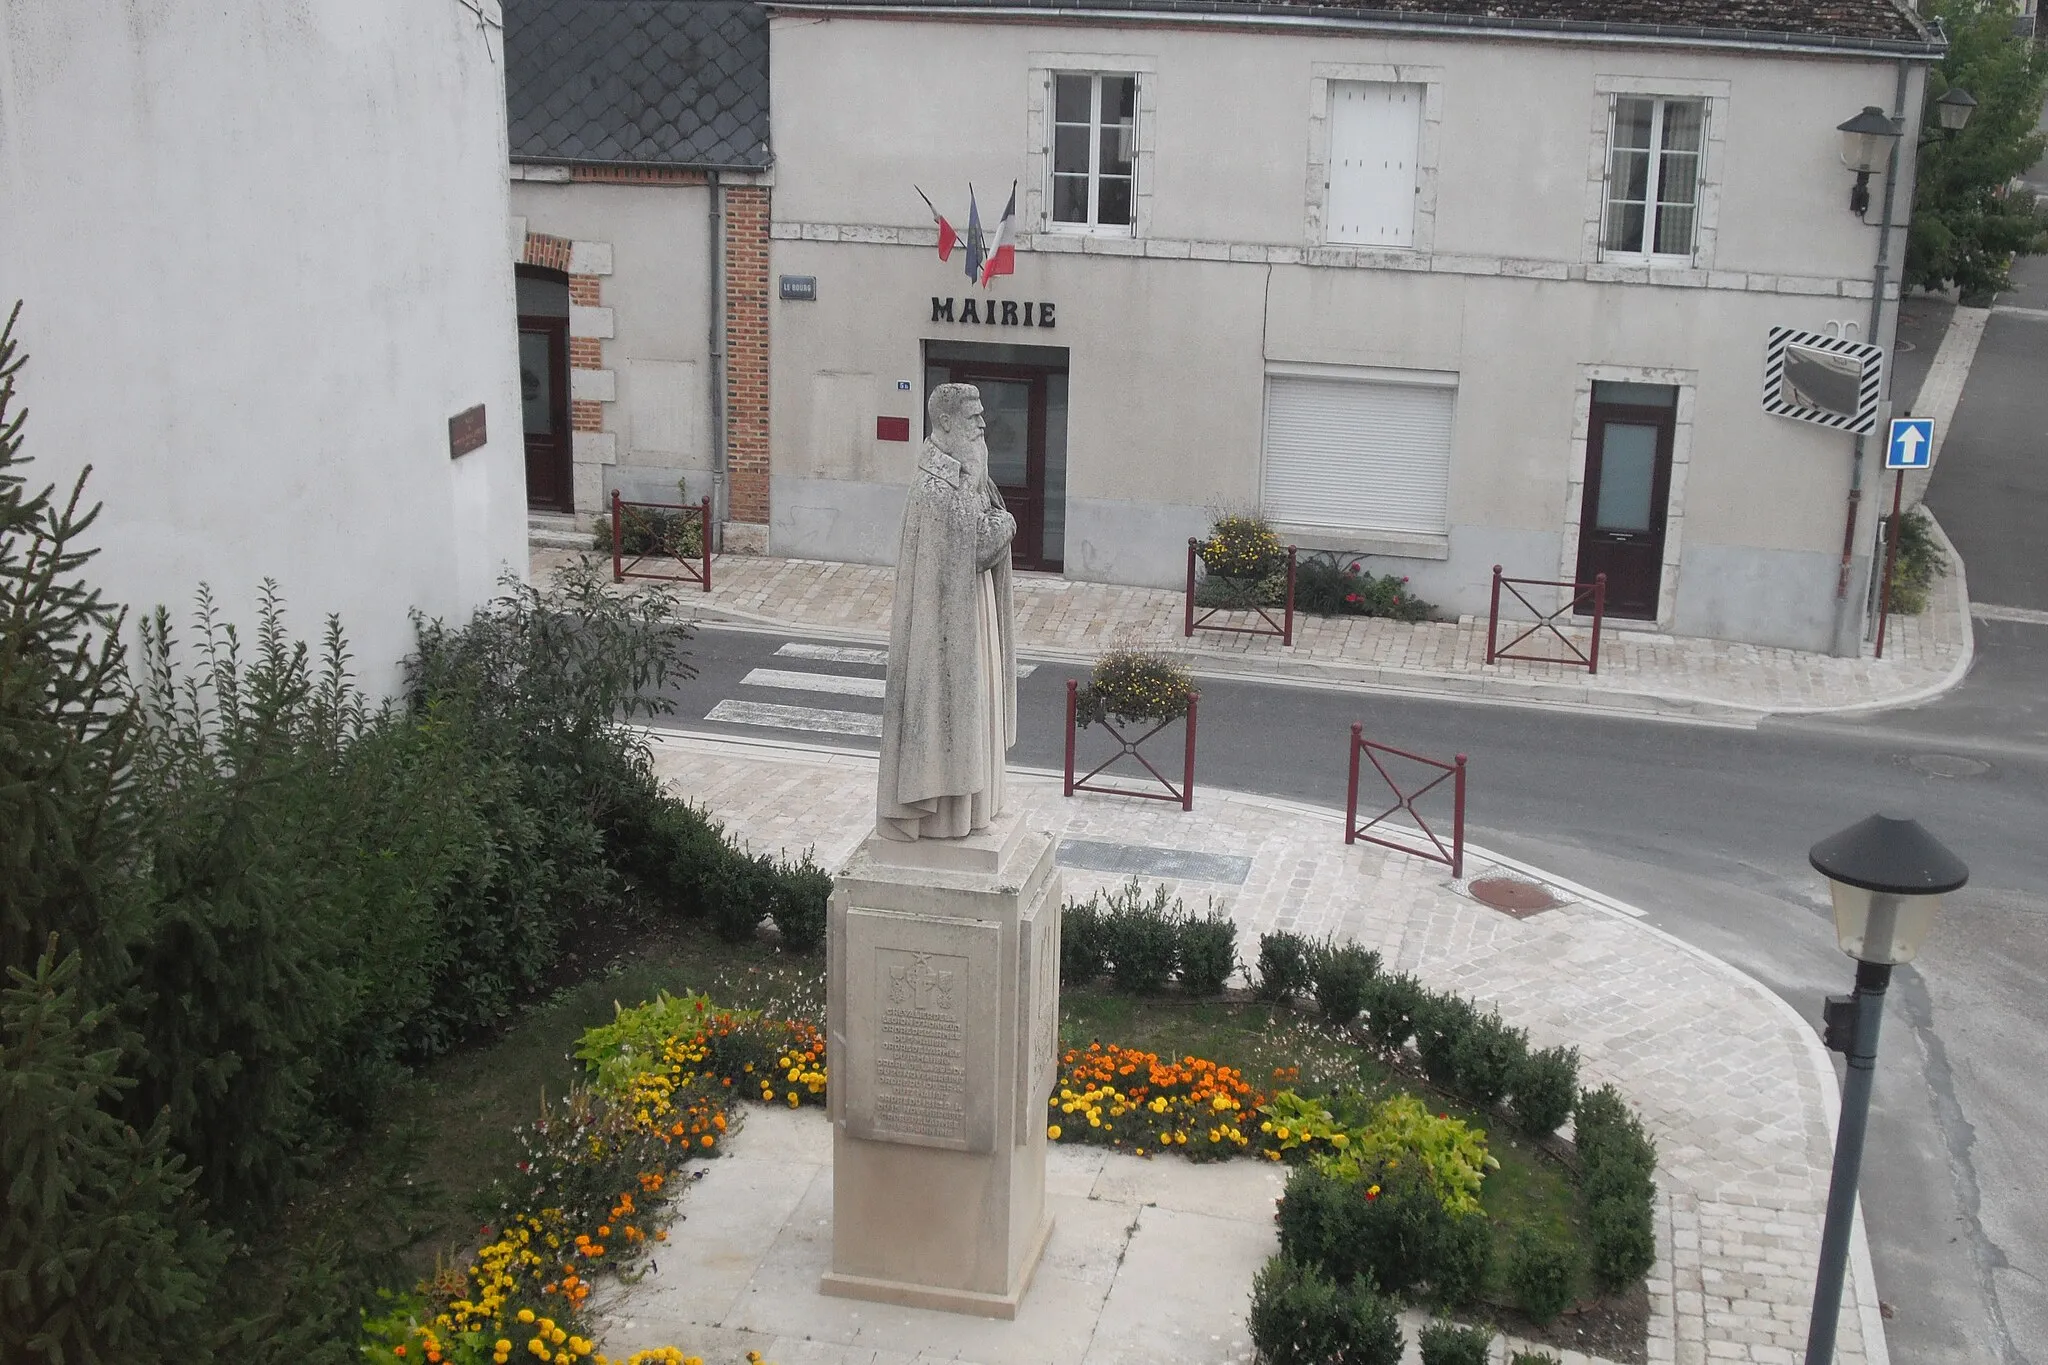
<point>943,1011</point>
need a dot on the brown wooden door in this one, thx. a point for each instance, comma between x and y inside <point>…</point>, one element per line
<point>1013,407</point>
<point>1621,520</point>
<point>544,410</point>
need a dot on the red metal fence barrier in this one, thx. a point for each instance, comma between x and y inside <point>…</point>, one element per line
<point>1283,629</point>
<point>693,569</point>
<point>1185,793</point>
<point>1595,592</point>
<point>1435,850</point>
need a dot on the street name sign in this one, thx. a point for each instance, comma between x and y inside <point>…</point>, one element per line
<point>1911,443</point>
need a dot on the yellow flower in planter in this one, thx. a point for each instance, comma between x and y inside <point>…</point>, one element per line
<point>1053,1131</point>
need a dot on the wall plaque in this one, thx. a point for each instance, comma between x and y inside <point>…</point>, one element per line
<point>799,288</point>
<point>466,431</point>
<point>921,1029</point>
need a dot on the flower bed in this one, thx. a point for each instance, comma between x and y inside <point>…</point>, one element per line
<point>593,1173</point>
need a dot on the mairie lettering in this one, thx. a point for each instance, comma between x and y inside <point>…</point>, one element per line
<point>994,312</point>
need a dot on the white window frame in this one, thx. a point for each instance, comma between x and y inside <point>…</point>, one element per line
<point>1037,209</point>
<point>1713,94</point>
<point>1093,227</point>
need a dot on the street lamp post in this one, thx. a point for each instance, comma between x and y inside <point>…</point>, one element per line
<point>1886,876</point>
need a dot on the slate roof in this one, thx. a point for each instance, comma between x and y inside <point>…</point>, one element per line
<point>638,82</point>
<point>1846,23</point>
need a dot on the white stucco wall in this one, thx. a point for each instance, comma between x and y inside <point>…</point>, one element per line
<point>261,251</point>
<point>1170,336</point>
<point>658,355</point>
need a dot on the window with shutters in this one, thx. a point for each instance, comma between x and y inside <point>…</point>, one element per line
<point>1358,452</point>
<point>1094,152</point>
<point>1375,140</point>
<point>1655,150</point>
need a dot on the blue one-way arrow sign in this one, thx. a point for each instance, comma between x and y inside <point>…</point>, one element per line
<point>1911,445</point>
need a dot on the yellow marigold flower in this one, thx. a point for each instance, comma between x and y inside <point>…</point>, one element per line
<point>526,1315</point>
<point>1053,1131</point>
<point>501,1344</point>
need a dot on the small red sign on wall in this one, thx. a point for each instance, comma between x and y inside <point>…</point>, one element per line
<point>892,428</point>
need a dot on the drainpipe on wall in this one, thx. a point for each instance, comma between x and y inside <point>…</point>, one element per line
<point>1851,612</point>
<point>720,501</point>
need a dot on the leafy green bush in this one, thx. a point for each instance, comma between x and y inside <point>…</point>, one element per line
<point>1283,970</point>
<point>801,893</point>
<point>1389,1228</point>
<point>1299,1316</point>
<point>1341,974</point>
<point>740,892</point>
<point>1207,953</point>
<point>1242,594</point>
<point>1534,1358</point>
<point>1450,1155</point>
<point>1540,1272</point>
<point>1441,1025</point>
<point>630,1045</point>
<point>1141,937</point>
<point>1487,1057</point>
<point>1323,586</point>
<point>1084,952</point>
<point>1620,1188</point>
<point>1134,686</point>
<point>1544,1089</point>
<point>1920,561</point>
<point>1392,1004</point>
<point>1446,1343</point>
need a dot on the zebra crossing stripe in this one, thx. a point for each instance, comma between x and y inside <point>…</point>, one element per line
<point>813,682</point>
<point>835,654</point>
<point>848,654</point>
<point>769,716</point>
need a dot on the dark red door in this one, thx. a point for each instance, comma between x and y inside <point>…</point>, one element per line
<point>1013,407</point>
<point>1621,521</point>
<point>544,407</point>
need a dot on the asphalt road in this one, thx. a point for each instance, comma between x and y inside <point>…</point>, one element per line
<point>1707,829</point>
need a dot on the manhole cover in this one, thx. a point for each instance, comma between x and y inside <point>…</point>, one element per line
<point>1948,765</point>
<point>1510,896</point>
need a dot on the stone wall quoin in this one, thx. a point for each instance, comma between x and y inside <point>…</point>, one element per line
<point>746,343</point>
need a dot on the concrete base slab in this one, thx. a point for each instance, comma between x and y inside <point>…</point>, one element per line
<point>904,1295</point>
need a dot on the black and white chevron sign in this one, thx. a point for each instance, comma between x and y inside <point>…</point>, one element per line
<point>1814,377</point>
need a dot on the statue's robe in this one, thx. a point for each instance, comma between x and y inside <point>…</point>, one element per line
<point>949,705</point>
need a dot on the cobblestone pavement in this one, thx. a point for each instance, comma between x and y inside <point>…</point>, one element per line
<point>1732,1084</point>
<point>1065,619</point>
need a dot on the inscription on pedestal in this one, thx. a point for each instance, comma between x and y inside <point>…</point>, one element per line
<point>921,1052</point>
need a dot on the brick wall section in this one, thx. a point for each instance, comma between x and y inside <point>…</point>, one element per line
<point>586,415</point>
<point>551,253</point>
<point>746,351</point>
<point>585,291</point>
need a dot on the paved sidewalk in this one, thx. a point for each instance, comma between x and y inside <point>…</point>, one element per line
<point>1733,1085</point>
<point>1066,620</point>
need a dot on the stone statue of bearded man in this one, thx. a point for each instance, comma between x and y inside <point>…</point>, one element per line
<point>949,707</point>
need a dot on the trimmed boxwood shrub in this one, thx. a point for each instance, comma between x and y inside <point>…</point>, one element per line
<point>1399,1238</point>
<point>1440,1028</point>
<point>1083,954</point>
<point>1141,938</point>
<point>801,893</point>
<point>1208,953</point>
<point>1487,1057</point>
<point>1620,1188</point>
<point>1545,1087</point>
<point>1300,1316</point>
<point>1446,1343</point>
<point>1391,1004</point>
<point>1341,973</point>
<point>1283,971</point>
<point>1540,1272</point>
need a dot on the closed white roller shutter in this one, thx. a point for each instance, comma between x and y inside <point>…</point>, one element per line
<point>1357,455</point>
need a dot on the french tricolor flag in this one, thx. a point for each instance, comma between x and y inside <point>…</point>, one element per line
<point>1002,250</point>
<point>948,236</point>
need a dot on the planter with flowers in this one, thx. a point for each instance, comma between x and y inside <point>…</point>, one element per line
<point>1241,567</point>
<point>1134,695</point>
